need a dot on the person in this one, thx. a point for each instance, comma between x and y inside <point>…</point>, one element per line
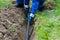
<point>36,5</point>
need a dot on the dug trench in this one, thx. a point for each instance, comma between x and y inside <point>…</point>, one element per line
<point>13,24</point>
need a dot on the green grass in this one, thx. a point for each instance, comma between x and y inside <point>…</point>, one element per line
<point>4,3</point>
<point>48,24</point>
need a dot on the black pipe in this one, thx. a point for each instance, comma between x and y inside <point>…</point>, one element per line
<point>28,30</point>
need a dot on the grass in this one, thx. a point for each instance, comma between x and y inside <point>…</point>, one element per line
<point>4,3</point>
<point>48,24</point>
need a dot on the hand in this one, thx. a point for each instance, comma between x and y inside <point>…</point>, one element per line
<point>30,16</point>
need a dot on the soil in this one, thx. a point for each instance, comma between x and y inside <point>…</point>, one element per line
<point>49,5</point>
<point>13,24</point>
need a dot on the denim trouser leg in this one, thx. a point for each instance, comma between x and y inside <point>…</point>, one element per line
<point>41,4</point>
<point>20,1</point>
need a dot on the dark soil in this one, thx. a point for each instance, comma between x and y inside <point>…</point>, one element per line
<point>49,5</point>
<point>13,24</point>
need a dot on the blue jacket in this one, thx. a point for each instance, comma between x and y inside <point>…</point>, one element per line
<point>36,4</point>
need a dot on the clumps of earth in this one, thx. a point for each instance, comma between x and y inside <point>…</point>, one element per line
<point>49,5</point>
<point>12,26</point>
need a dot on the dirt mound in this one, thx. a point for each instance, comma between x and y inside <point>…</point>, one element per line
<point>12,24</point>
<point>49,5</point>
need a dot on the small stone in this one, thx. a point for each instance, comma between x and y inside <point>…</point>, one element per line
<point>1,35</point>
<point>2,29</point>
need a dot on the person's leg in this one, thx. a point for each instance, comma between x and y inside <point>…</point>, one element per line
<point>41,6</point>
<point>20,3</point>
<point>26,6</point>
<point>26,2</point>
<point>35,4</point>
<point>34,8</point>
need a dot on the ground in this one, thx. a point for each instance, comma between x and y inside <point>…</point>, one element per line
<point>48,23</point>
<point>13,24</point>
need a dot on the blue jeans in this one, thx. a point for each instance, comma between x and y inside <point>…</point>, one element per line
<point>36,4</point>
<point>26,2</point>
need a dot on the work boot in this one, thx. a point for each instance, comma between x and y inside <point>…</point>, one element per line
<point>20,5</point>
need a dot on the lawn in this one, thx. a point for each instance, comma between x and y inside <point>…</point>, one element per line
<point>4,3</point>
<point>48,24</point>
